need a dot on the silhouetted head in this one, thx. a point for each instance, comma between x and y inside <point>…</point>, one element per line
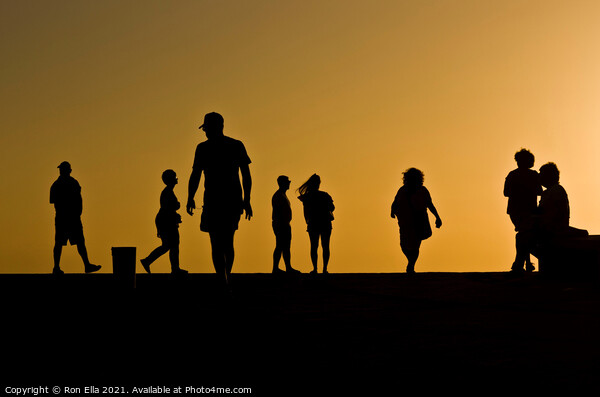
<point>283,182</point>
<point>65,168</point>
<point>524,158</point>
<point>549,175</point>
<point>213,125</point>
<point>312,184</point>
<point>413,178</point>
<point>169,177</point>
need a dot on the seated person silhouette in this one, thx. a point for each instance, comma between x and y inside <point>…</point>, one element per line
<point>522,186</point>
<point>167,226</point>
<point>551,221</point>
<point>65,194</point>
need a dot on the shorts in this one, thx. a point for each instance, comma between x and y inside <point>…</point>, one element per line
<point>68,230</point>
<point>169,236</point>
<point>522,221</point>
<point>410,243</point>
<point>319,227</point>
<point>220,219</point>
<point>283,235</point>
<point>409,239</point>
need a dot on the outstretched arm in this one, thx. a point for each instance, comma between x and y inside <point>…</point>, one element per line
<point>247,186</point>
<point>192,189</point>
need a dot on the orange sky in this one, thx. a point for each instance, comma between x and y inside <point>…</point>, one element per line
<point>356,91</point>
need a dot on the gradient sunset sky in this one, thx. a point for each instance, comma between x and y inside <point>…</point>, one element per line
<point>356,91</point>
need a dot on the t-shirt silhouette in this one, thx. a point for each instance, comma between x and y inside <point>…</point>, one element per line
<point>65,194</point>
<point>318,210</point>
<point>410,208</point>
<point>522,186</point>
<point>220,159</point>
<point>282,210</point>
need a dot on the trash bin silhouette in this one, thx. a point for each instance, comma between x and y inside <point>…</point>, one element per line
<point>124,266</point>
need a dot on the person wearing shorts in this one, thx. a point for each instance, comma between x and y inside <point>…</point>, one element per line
<point>167,226</point>
<point>65,194</point>
<point>282,216</point>
<point>221,159</point>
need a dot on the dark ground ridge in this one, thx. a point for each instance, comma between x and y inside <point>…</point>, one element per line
<point>439,332</point>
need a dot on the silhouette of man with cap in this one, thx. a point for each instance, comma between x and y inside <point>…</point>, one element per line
<point>282,216</point>
<point>65,194</point>
<point>221,159</point>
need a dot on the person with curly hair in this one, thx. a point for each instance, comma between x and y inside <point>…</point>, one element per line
<point>522,187</point>
<point>410,209</point>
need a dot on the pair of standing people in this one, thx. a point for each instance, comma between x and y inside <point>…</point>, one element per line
<point>221,159</point>
<point>318,213</point>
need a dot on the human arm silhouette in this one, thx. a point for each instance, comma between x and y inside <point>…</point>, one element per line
<point>438,220</point>
<point>507,186</point>
<point>394,209</point>
<point>192,189</point>
<point>247,185</point>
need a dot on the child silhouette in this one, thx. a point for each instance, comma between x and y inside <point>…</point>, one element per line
<point>167,226</point>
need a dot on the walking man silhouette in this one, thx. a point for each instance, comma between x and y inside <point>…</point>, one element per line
<point>221,159</point>
<point>282,216</point>
<point>65,194</point>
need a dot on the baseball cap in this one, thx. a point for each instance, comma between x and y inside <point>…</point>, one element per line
<point>212,118</point>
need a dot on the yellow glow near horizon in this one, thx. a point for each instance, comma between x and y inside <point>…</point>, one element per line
<point>355,91</point>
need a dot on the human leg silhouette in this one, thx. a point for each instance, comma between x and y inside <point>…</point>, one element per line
<point>154,255</point>
<point>277,254</point>
<point>223,253</point>
<point>325,239</point>
<point>523,226</point>
<point>314,249</point>
<point>56,254</point>
<point>523,241</point>
<point>287,259</point>
<point>283,241</point>
<point>174,259</point>
<point>411,251</point>
<point>82,250</point>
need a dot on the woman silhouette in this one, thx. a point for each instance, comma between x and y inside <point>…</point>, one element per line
<point>318,213</point>
<point>410,208</point>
